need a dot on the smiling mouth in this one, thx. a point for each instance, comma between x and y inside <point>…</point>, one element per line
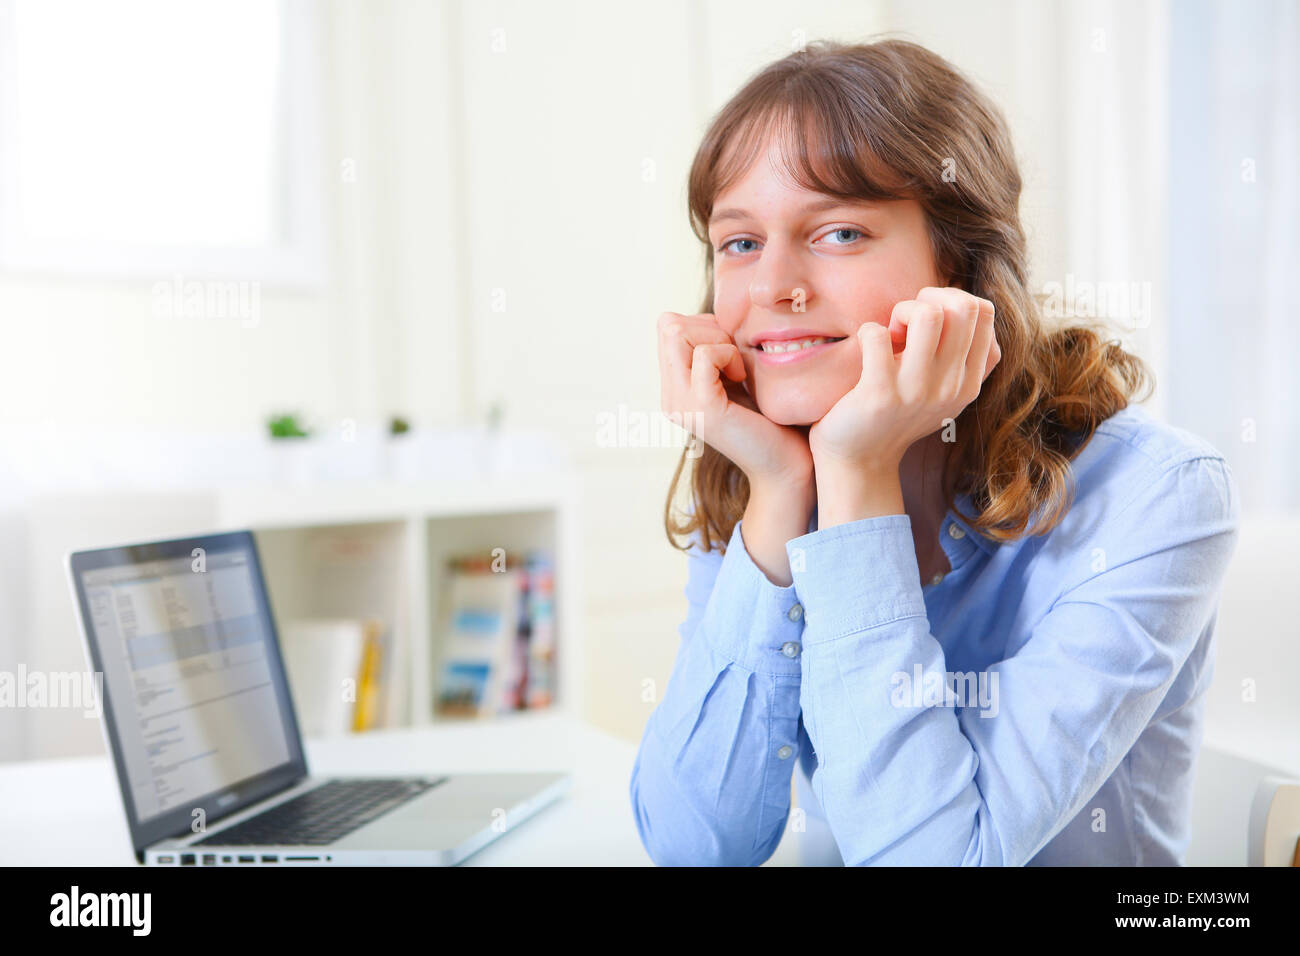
<point>780,347</point>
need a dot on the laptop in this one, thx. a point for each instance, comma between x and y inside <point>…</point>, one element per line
<point>197,715</point>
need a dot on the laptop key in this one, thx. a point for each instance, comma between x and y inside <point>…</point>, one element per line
<point>322,815</point>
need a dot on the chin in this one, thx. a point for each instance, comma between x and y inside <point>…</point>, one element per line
<point>806,411</point>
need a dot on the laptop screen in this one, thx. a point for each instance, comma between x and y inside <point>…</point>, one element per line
<point>196,704</point>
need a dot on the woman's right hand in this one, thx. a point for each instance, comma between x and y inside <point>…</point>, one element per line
<point>702,374</point>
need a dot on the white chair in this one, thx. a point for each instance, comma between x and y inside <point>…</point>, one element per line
<point>1274,831</point>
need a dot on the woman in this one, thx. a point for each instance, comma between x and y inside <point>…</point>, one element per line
<point>937,560</point>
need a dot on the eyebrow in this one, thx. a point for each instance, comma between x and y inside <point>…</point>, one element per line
<point>819,205</point>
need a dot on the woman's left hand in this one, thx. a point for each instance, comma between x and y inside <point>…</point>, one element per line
<point>949,350</point>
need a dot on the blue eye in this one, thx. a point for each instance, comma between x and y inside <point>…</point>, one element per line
<point>723,247</point>
<point>834,232</point>
<point>855,234</point>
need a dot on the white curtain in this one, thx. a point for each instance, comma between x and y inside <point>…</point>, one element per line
<point>1234,243</point>
<point>1178,164</point>
<point>1114,95</point>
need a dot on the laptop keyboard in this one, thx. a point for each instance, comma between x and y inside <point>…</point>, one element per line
<point>323,814</point>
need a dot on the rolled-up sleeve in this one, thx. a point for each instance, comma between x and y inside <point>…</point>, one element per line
<point>711,780</point>
<point>910,780</point>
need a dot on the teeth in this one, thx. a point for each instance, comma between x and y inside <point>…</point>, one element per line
<point>796,345</point>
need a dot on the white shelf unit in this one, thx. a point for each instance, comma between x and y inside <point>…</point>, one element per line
<point>380,548</point>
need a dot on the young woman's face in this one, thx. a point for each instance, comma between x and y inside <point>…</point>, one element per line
<point>789,259</point>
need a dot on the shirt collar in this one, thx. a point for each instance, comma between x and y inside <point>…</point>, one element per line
<point>965,503</point>
<point>961,501</point>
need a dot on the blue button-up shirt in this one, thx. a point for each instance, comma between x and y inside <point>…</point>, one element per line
<point>1041,703</point>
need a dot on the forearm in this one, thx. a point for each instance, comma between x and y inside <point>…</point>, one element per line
<point>775,514</point>
<point>847,495</point>
<point>711,783</point>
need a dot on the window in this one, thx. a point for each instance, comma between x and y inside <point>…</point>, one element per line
<point>160,137</point>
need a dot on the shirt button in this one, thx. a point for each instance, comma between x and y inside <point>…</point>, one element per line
<point>790,649</point>
<point>956,531</point>
<point>937,578</point>
<point>785,752</point>
<point>796,613</point>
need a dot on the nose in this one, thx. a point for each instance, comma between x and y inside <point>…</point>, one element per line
<point>777,279</point>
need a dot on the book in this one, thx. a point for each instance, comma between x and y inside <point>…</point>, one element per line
<point>498,637</point>
<point>370,683</point>
<point>334,667</point>
<point>479,629</point>
<point>539,689</point>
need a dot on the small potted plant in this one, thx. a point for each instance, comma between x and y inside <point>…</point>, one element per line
<point>291,453</point>
<point>402,450</point>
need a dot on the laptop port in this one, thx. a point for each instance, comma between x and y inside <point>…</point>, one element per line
<point>270,858</point>
<point>209,859</point>
<point>187,859</point>
<point>167,859</point>
<point>225,859</point>
<point>289,858</point>
<point>247,859</point>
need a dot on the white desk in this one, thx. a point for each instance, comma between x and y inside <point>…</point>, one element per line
<point>69,812</point>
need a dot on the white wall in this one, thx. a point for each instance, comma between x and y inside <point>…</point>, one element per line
<point>500,242</point>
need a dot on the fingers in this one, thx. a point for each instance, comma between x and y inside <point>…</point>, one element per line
<point>961,312</point>
<point>707,364</point>
<point>679,336</point>
<point>995,356</point>
<point>898,325</point>
<point>739,395</point>
<point>984,350</point>
<point>877,355</point>
<point>924,323</point>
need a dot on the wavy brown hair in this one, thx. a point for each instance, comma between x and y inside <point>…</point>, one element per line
<point>892,120</point>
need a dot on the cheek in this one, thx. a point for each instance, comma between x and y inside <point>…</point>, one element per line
<point>903,274</point>
<point>874,298</point>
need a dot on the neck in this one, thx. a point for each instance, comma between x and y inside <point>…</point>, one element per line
<point>921,475</point>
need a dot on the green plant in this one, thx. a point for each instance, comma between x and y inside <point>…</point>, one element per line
<point>398,425</point>
<point>286,426</point>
